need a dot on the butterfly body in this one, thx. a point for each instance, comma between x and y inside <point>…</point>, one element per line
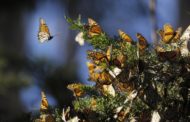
<point>44,34</point>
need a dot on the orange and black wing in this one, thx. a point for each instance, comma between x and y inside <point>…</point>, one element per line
<point>44,102</point>
<point>142,42</point>
<point>167,34</point>
<point>43,34</point>
<point>125,36</point>
<point>94,28</point>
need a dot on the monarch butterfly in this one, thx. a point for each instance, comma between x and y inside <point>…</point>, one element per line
<point>44,34</point>
<point>100,77</point>
<point>125,36</point>
<point>105,78</point>
<point>44,102</point>
<point>94,28</point>
<point>76,88</point>
<point>168,34</point>
<point>91,67</point>
<point>142,45</point>
<point>94,55</point>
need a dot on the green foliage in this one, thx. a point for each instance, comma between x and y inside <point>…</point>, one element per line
<point>104,106</point>
<point>75,24</point>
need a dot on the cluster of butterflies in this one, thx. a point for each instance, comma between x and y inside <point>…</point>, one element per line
<point>168,34</point>
<point>178,43</point>
<point>119,113</point>
<point>94,29</point>
<point>98,72</point>
<point>101,73</point>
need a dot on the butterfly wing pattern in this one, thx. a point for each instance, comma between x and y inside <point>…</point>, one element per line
<point>125,36</point>
<point>94,28</point>
<point>168,34</point>
<point>44,102</point>
<point>44,34</point>
<point>142,42</point>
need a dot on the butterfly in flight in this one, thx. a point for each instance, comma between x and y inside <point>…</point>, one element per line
<point>44,34</point>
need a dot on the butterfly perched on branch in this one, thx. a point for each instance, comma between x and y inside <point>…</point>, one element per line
<point>142,42</point>
<point>168,34</point>
<point>45,113</point>
<point>98,74</point>
<point>77,89</point>
<point>125,36</point>
<point>94,28</point>
<point>44,102</point>
<point>98,56</point>
<point>43,33</point>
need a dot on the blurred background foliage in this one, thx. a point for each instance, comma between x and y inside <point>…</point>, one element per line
<point>27,67</point>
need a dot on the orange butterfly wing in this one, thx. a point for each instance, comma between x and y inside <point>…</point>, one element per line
<point>142,42</point>
<point>43,34</point>
<point>168,34</point>
<point>125,36</point>
<point>76,88</point>
<point>94,28</point>
<point>44,102</point>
